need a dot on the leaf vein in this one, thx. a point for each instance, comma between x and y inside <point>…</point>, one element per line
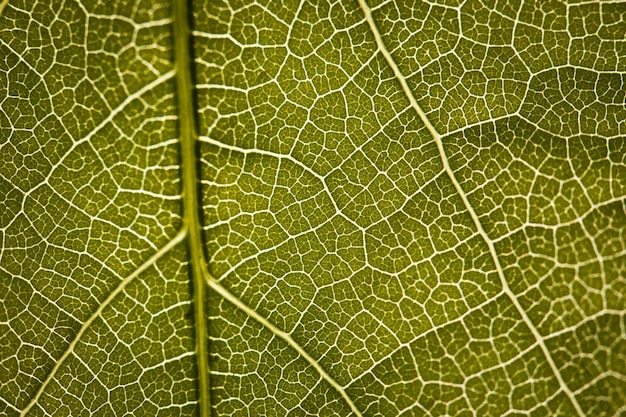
<point>218,288</point>
<point>182,234</point>
<point>437,138</point>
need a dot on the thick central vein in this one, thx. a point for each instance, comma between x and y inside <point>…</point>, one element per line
<point>444,159</point>
<point>188,140</point>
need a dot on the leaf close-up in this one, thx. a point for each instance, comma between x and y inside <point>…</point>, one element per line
<point>312,208</point>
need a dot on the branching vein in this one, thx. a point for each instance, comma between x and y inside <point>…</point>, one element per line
<point>437,138</point>
<point>123,284</point>
<point>217,287</point>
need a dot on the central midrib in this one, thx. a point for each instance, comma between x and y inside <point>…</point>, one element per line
<point>188,140</point>
<point>191,202</point>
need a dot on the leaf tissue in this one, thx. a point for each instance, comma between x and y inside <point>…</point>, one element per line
<point>311,207</point>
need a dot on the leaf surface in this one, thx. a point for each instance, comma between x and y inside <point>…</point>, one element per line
<point>403,208</point>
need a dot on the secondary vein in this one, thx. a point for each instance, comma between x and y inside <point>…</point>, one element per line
<point>481,231</point>
<point>3,4</point>
<point>70,348</point>
<point>218,288</point>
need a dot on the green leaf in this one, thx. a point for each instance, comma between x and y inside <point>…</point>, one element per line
<point>308,208</point>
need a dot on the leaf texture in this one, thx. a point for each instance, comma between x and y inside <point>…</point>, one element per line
<point>407,208</point>
<point>90,191</point>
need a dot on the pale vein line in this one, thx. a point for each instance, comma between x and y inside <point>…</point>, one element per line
<point>217,287</point>
<point>3,4</point>
<point>5,401</point>
<point>292,159</point>
<point>70,349</point>
<point>444,159</point>
<point>109,119</point>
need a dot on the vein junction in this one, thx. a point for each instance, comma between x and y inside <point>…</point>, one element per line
<point>180,237</point>
<point>437,138</point>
